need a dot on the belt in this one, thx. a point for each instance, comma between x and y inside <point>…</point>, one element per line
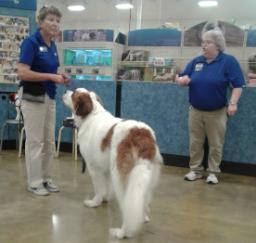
<point>208,110</point>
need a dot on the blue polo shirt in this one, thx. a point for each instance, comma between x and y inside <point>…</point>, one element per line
<point>210,81</point>
<point>41,58</point>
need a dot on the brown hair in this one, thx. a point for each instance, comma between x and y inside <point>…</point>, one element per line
<point>45,10</point>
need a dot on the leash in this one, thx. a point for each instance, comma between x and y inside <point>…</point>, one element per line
<point>83,165</point>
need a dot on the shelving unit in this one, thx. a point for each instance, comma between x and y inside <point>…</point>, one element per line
<point>153,70</point>
<point>85,72</point>
<point>13,31</point>
<point>97,60</point>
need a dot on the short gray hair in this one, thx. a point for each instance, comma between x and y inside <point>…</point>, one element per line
<point>45,10</point>
<point>217,37</point>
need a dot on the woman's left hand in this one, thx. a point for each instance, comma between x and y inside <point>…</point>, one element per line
<point>232,109</point>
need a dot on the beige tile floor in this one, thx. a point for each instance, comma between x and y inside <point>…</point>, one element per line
<point>182,212</point>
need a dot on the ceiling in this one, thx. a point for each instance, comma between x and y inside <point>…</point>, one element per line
<point>154,13</point>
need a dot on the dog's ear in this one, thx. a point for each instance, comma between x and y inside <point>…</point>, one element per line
<point>82,103</point>
<point>96,97</point>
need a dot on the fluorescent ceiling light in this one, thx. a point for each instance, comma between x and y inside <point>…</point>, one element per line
<point>76,7</point>
<point>206,4</point>
<point>124,6</point>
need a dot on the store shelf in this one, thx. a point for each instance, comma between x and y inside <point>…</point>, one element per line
<point>134,63</point>
<point>144,64</point>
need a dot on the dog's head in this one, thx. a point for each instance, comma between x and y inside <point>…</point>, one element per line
<point>81,102</point>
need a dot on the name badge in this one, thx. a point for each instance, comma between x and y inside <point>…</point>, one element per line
<point>199,67</point>
<point>43,49</point>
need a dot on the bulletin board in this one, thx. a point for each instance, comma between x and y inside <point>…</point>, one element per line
<point>13,30</point>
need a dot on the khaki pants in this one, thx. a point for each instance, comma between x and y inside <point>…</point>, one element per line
<point>39,122</point>
<point>210,124</point>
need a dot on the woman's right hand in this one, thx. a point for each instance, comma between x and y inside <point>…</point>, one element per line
<point>183,81</point>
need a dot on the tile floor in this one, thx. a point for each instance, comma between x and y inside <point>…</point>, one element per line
<point>181,211</point>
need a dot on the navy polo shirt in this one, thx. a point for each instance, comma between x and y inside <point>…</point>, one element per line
<point>210,81</point>
<point>41,58</point>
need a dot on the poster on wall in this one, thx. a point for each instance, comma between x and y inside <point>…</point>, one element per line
<point>88,35</point>
<point>233,34</point>
<point>13,31</point>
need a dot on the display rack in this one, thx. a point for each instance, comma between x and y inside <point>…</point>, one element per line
<point>156,69</point>
<point>88,64</point>
<point>91,63</point>
<point>13,31</point>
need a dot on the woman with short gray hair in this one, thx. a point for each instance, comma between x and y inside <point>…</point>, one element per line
<point>217,37</point>
<point>208,77</point>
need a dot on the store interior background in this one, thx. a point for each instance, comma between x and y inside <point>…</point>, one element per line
<point>119,97</point>
<point>180,14</point>
<point>181,211</point>
<point>154,13</point>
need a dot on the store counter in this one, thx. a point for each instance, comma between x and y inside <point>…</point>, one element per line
<point>106,90</point>
<point>164,106</point>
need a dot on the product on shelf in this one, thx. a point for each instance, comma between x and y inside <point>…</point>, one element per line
<point>135,55</point>
<point>88,63</point>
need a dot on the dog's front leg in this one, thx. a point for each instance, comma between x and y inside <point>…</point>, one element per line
<point>95,202</point>
<point>146,216</point>
<point>118,233</point>
<point>99,185</point>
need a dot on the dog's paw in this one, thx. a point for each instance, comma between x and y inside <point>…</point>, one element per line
<point>91,203</point>
<point>117,233</point>
<point>146,219</point>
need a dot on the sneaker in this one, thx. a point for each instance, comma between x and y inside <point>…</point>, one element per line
<point>40,190</point>
<point>192,176</point>
<point>212,179</point>
<point>50,186</point>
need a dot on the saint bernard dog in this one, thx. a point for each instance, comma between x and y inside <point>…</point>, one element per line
<point>121,156</point>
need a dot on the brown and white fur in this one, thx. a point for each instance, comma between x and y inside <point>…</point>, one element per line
<point>121,156</point>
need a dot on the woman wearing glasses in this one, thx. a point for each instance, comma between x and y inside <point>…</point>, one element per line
<point>208,77</point>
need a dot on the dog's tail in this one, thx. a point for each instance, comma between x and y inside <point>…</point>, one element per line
<point>136,194</point>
